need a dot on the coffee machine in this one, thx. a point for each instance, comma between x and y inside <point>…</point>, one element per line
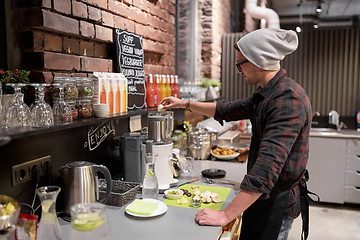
<point>160,127</point>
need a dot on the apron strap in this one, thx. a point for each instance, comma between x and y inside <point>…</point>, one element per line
<point>305,199</point>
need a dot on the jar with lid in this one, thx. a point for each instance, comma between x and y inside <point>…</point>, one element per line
<point>70,89</point>
<point>85,87</point>
<point>84,108</point>
<point>71,104</point>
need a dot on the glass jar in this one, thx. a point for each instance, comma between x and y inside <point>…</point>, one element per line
<point>84,108</point>
<point>70,89</point>
<point>85,87</point>
<point>71,104</point>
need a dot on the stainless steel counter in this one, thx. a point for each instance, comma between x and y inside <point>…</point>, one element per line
<point>333,133</point>
<point>176,223</point>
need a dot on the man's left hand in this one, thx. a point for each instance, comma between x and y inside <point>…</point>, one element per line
<point>211,217</point>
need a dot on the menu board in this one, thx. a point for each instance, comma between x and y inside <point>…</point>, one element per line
<point>130,62</point>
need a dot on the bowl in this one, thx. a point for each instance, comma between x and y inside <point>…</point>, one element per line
<point>174,193</point>
<point>8,218</point>
<point>101,110</point>
<point>225,157</point>
<point>101,113</point>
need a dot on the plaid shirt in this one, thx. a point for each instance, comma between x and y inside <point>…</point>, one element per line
<point>280,114</point>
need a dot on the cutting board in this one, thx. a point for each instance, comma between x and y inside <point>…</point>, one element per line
<point>221,191</point>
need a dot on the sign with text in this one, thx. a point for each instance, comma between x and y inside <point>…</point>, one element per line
<point>130,62</point>
<point>98,134</point>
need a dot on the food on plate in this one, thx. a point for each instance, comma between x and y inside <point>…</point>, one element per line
<point>182,201</point>
<point>223,151</point>
<point>7,209</point>
<point>206,199</point>
<point>197,192</point>
<point>174,192</point>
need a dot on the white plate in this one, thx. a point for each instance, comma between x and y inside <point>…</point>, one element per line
<point>225,157</point>
<point>161,209</point>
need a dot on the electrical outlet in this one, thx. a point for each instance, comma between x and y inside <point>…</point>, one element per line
<point>23,173</point>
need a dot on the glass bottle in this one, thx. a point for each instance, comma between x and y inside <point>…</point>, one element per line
<point>157,90</point>
<point>168,87</point>
<point>150,186</point>
<point>163,90</point>
<point>49,227</point>
<point>150,92</point>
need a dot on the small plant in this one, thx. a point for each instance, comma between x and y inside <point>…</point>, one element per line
<point>17,76</point>
<point>207,82</point>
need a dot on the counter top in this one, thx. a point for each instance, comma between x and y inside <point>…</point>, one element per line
<point>333,133</point>
<point>176,223</point>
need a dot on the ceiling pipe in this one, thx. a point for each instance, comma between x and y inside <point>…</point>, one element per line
<point>271,17</point>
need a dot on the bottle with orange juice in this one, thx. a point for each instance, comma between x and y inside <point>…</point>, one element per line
<point>168,87</point>
<point>157,90</point>
<point>163,89</point>
<point>150,92</point>
<point>176,87</point>
<point>117,96</point>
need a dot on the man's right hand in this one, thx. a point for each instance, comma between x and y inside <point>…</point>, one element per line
<point>172,102</point>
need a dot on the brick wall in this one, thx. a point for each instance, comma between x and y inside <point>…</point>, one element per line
<point>215,21</point>
<point>56,37</point>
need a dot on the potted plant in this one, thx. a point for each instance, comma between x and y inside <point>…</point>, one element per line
<point>17,76</point>
<point>213,88</point>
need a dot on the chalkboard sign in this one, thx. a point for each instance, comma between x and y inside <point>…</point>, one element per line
<point>130,62</point>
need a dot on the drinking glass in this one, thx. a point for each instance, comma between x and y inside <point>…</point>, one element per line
<point>41,112</point>
<point>62,111</point>
<point>89,221</point>
<point>18,115</point>
<point>188,165</point>
<point>2,108</point>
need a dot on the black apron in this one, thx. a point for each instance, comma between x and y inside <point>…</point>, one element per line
<point>263,219</point>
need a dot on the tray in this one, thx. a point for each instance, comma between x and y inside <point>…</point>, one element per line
<point>122,192</point>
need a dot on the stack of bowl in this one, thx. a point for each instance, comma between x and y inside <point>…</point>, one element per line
<point>101,110</point>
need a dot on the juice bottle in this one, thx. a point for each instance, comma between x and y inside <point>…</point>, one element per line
<point>172,85</point>
<point>117,96</point>
<point>177,91</point>
<point>168,87</point>
<point>150,92</point>
<point>163,90</point>
<point>103,91</point>
<point>157,90</point>
<point>124,95</point>
<point>111,97</point>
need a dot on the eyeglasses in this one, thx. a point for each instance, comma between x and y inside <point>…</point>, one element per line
<point>238,65</point>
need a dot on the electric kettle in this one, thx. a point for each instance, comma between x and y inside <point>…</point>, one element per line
<point>80,183</point>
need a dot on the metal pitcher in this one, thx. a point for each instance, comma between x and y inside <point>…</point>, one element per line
<point>80,183</point>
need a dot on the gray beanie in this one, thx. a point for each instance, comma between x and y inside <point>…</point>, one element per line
<point>266,47</point>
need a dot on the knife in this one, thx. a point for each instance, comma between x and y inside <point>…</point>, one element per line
<point>190,181</point>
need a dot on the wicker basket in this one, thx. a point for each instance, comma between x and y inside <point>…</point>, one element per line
<point>121,194</point>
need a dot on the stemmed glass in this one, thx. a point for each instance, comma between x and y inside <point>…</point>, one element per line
<point>18,114</point>
<point>41,112</point>
<point>2,110</point>
<point>62,111</point>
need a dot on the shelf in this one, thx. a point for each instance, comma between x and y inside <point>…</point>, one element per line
<point>31,131</point>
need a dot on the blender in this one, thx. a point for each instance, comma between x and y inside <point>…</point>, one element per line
<point>160,127</point>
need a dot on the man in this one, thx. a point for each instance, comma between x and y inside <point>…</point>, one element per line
<point>280,113</point>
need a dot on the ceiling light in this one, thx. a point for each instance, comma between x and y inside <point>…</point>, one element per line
<point>318,9</point>
<point>316,26</point>
<point>298,29</point>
